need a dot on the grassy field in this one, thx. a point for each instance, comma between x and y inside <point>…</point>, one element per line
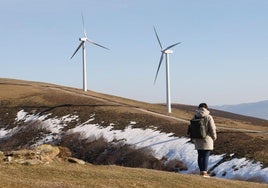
<point>67,175</point>
<point>47,98</point>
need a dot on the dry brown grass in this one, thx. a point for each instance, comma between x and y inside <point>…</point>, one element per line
<point>48,98</point>
<point>73,175</point>
<point>43,97</point>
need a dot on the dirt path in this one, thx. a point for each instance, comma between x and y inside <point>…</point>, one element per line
<point>218,127</point>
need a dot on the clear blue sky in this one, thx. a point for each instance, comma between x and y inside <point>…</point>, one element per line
<point>223,57</point>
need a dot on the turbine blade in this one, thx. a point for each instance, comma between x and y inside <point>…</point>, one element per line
<point>77,49</point>
<point>160,62</point>
<point>171,46</point>
<point>84,30</point>
<point>158,38</point>
<point>97,44</point>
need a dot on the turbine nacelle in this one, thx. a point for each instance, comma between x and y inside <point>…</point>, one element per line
<point>84,39</point>
<point>167,51</point>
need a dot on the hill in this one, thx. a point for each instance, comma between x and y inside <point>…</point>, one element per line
<point>238,135</point>
<point>256,109</point>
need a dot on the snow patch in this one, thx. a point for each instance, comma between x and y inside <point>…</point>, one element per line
<point>162,144</point>
<point>241,169</point>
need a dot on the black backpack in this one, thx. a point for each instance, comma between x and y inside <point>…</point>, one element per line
<point>197,128</point>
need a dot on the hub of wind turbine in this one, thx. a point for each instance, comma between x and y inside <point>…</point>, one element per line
<point>84,39</point>
<point>167,51</point>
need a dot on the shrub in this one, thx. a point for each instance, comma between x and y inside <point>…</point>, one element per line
<point>127,155</point>
<point>85,149</point>
<point>175,165</point>
<point>24,137</point>
<point>99,151</point>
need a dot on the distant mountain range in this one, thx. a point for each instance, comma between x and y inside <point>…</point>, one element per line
<point>257,109</point>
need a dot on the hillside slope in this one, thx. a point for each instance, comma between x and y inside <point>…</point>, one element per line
<point>237,135</point>
<point>72,176</point>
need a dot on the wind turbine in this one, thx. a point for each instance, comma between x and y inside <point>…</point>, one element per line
<point>82,44</point>
<point>165,51</point>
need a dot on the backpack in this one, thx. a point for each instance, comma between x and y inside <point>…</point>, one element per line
<point>197,128</point>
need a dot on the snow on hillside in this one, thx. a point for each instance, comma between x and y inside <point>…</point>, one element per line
<point>163,144</point>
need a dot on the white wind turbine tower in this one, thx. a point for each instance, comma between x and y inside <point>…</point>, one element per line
<point>82,44</point>
<point>165,51</point>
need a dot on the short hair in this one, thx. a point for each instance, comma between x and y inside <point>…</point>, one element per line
<point>203,105</point>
